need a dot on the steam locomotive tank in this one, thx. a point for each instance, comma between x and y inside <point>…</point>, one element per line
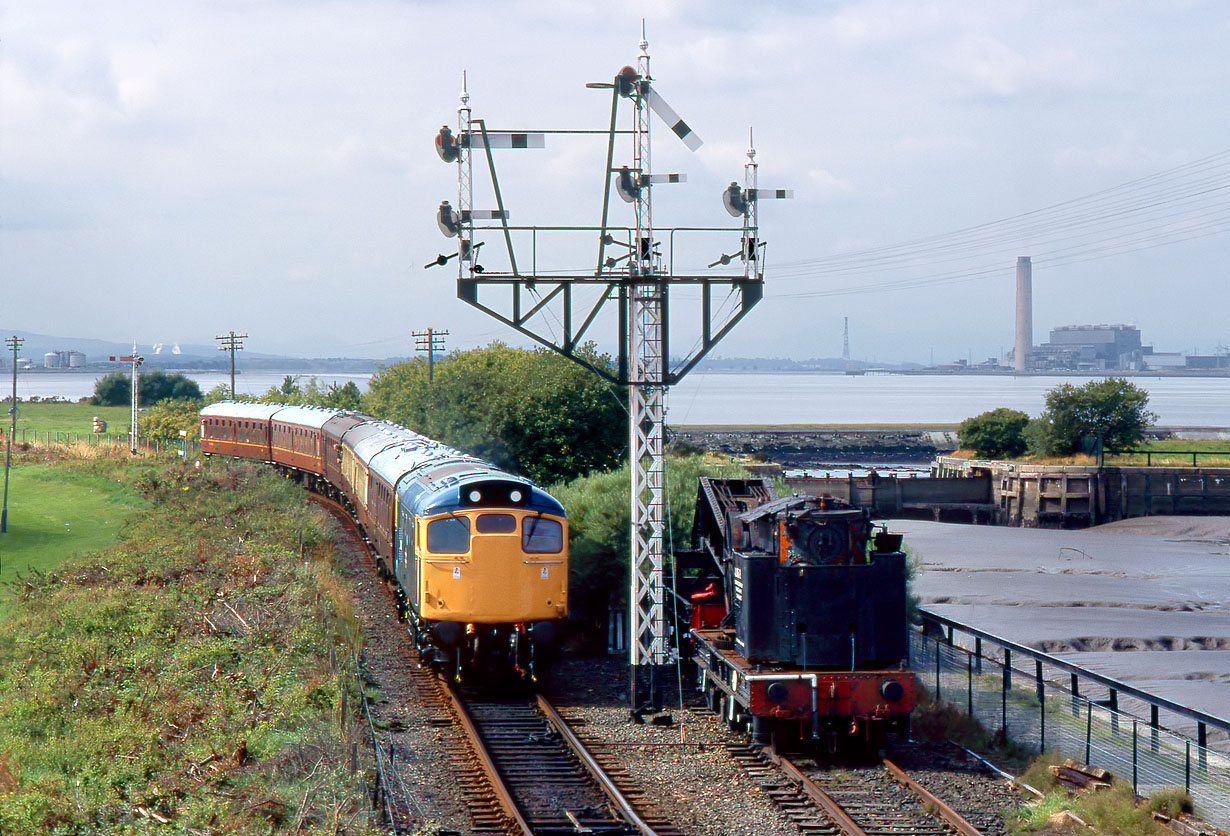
<point>798,617</point>
<point>806,591</point>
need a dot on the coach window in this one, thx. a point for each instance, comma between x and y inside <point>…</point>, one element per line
<point>450,535</point>
<point>542,536</point>
<point>495,524</point>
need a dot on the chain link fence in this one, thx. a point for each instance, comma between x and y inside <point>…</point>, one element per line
<point>1016,691</point>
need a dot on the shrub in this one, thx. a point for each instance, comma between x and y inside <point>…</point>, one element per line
<point>998,434</point>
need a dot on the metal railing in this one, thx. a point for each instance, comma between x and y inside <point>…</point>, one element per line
<point>1021,692</point>
<point>1164,454</point>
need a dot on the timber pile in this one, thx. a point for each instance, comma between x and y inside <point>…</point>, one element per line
<point>1184,827</point>
<point>1080,777</point>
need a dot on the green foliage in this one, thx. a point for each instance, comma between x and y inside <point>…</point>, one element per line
<point>1112,409</point>
<point>169,416</point>
<point>115,389</point>
<point>1171,801</point>
<point>221,392</point>
<point>531,412</point>
<point>600,519</point>
<point>184,672</point>
<point>998,434</point>
<point>338,396</point>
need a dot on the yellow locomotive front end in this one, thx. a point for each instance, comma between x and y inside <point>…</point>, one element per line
<point>493,567</point>
<point>483,567</point>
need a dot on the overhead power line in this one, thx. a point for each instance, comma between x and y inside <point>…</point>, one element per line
<point>1181,204</point>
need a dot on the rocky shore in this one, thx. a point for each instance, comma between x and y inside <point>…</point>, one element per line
<point>810,446</point>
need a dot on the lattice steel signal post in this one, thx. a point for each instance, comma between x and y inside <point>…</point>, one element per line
<point>557,309</point>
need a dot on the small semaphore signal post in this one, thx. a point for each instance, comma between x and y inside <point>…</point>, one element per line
<point>134,393</point>
<point>557,307</point>
<point>14,342</point>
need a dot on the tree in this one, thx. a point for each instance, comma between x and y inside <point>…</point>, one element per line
<point>114,389</point>
<point>531,412</point>
<point>170,415</point>
<point>997,434</point>
<point>600,519</point>
<point>1112,410</point>
<point>157,385</point>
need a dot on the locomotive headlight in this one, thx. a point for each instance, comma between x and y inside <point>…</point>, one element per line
<point>514,495</point>
<point>891,690</point>
<point>475,496</point>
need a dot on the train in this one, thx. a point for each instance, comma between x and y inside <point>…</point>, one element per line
<point>798,618</point>
<point>477,557</point>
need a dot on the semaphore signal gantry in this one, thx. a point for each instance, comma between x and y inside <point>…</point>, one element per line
<point>558,307</point>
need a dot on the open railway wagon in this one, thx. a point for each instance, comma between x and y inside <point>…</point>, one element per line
<point>798,616</point>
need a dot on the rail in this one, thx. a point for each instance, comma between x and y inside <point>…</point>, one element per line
<point>595,769</point>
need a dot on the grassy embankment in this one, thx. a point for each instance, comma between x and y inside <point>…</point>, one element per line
<point>1165,453</point>
<point>192,672</point>
<point>56,512</point>
<point>66,418</point>
<point>1112,811</point>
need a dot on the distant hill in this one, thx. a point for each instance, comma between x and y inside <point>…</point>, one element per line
<point>189,356</point>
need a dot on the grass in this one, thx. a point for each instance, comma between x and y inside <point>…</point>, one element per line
<point>193,670</point>
<point>65,418</point>
<point>56,512</point>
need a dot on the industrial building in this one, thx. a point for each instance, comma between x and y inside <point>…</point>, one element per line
<point>1088,348</point>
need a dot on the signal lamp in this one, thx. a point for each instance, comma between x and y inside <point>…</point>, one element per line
<point>446,146</point>
<point>627,186</point>
<point>734,201</point>
<point>625,81</point>
<point>448,220</point>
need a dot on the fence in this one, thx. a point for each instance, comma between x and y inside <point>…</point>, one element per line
<point>988,681</point>
<point>186,447</point>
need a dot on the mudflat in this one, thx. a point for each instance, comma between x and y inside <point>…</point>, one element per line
<point>1145,600</point>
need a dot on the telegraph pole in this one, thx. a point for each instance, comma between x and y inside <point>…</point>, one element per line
<point>231,342</point>
<point>430,341</point>
<point>14,342</point>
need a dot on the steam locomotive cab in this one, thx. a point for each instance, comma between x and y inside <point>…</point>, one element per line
<point>799,620</point>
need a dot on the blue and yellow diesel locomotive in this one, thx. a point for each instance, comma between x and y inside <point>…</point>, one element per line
<point>478,557</point>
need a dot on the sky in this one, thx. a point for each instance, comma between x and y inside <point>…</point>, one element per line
<point>170,171</point>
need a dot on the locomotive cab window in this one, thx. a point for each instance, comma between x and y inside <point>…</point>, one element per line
<point>450,535</point>
<point>495,524</point>
<point>542,536</point>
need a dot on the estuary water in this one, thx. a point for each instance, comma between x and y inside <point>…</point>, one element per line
<point>758,398</point>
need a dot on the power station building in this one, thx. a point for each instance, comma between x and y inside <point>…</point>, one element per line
<point>1089,347</point>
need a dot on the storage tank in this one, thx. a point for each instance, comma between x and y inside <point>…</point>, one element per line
<point>76,359</point>
<point>51,360</point>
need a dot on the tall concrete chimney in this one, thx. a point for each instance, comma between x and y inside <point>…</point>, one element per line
<point>1024,312</point>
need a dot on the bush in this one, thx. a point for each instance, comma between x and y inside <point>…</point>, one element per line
<point>166,418</point>
<point>998,434</point>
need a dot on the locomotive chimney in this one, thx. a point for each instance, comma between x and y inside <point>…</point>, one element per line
<point>1024,313</point>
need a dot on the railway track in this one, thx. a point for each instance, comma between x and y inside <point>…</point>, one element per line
<point>881,800</point>
<point>541,776</point>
